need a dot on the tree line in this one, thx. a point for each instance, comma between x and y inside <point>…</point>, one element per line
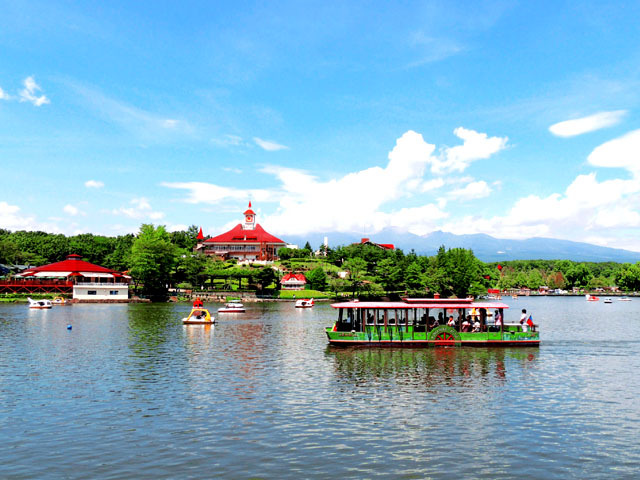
<point>157,260</point>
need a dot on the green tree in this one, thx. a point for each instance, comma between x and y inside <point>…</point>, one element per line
<point>317,279</point>
<point>152,260</point>
<point>356,268</point>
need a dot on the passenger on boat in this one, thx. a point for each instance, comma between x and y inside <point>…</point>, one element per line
<point>523,320</point>
<point>497,318</point>
<point>451,322</point>
<point>440,319</point>
<point>466,325</point>
<point>433,322</point>
<point>476,325</point>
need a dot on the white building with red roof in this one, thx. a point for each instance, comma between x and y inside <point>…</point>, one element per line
<point>246,241</point>
<point>293,281</point>
<point>89,281</point>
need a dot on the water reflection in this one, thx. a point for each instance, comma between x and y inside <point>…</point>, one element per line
<point>430,366</point>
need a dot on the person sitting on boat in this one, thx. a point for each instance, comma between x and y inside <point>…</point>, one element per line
<point>523,319</point>
<point>497,318</point>
<point>466,324</point>
<point>434,322</point>
<point>451,322</point>
<point>440,319</point>
<point>476,325</point>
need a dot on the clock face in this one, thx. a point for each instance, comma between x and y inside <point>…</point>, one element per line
<point>248,218</point>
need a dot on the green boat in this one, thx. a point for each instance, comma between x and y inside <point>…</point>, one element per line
<point>425,322</point>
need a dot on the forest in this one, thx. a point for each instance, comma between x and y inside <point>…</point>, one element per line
<point>157,259</point>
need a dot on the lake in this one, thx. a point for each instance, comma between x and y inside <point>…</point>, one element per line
<point>130,392</point>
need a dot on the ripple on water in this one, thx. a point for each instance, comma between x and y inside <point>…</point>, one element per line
<point>131,392</point>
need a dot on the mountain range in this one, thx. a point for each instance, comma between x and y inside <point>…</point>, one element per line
<point>485,247</point>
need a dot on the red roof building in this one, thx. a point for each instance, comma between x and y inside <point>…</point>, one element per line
<point>86,280</point>
<point>248,241</point>
<point>293,281</point>
<point>386,246</point>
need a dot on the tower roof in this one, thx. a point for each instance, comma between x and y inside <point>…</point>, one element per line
<point>248,211</point>
<point>200,235</point>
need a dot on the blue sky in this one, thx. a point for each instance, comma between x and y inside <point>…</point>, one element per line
<point>515,119</point>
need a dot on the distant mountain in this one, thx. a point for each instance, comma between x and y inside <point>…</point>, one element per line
<point>485,247</point>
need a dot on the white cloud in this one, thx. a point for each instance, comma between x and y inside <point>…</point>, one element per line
<point>364,198</point>
<point>228,141</point>
<point>432,49</point>
<point>28,93</point>
<point>4,95</point>
<point>11,219</point>
<point>475,146</point>
<point>578,126</point>
<point>71,210</point>
<point>268,145</point>
<point>93,184</point>
<point>471,190</point>
<point>201,192</point>
<point>140,209</point>
<point>148,125</point>
<point>622,152</point>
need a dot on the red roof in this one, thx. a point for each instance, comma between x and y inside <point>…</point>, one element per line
<point>294,276</point>
<point>200,235</point>
<point>239,235</point>
<point>388,246</point>
<point>73,263</point>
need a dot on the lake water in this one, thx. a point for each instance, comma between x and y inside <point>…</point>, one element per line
<point>130,392</point>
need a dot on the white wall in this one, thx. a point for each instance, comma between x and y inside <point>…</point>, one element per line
<point>118,291</point>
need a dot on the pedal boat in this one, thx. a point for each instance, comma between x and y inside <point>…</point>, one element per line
<point>199,316</point>
<point>232,307</point>
<point>304,303</point>
<point>40,304</point>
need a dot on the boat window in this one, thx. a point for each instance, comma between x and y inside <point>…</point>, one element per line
<point>380,316</point>
<point>340,312</point>
<point>402,317</point>
<point>370,317</point>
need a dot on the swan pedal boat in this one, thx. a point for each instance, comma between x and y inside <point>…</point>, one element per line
<point>41,304</point>
<point>199,316</point>
<point>60,301</point>
<point>304,303</point>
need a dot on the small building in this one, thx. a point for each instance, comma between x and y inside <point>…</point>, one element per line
<point>244,242</point>
<point>384,246</point>
<point>293,281</point>
<point>86,281</point>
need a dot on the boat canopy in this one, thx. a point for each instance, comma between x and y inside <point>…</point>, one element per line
<point>424,303</point>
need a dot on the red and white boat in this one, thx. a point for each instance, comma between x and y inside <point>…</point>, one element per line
<point>591,298</point>
<point>232,307</point>
<point>304,303</point>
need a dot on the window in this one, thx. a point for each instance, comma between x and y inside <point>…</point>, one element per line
<point>92,292</point>
<point>113,292</point>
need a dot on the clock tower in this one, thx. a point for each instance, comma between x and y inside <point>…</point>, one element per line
<point>249,219</point>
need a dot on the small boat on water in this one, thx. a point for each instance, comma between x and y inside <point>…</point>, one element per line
<point>591,298</point>
<point>199,316</point>
<point>41,304</point>
<point>608,300</point>
<point>304,303</point>
<point>60,301</point>
<point>624,299</point>
<point>232,307</point>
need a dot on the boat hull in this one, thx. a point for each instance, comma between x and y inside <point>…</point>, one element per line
<point>197,322</point>
<point>392,337</point>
